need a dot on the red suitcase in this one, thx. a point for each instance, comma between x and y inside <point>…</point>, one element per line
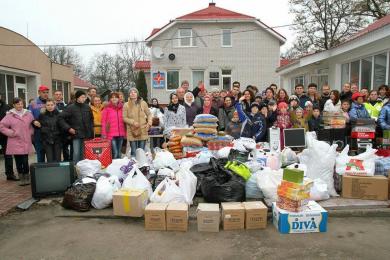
<point>98,149</point>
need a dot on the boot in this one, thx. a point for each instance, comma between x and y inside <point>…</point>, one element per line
<point>12,177</point>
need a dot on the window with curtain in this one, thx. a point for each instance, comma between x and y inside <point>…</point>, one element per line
<point>186,38</point>
<point>172,79</point>
<point>227,38</point>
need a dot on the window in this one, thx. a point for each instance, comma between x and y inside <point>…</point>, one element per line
<point>344,73</point>
<point>62,86</point>
<point>172,79</point>
<point>214,79</point>
<point>3,88</point>
<point>355,70</point>
<point>10,88</point>
<point>227,79</point>
<point>66,91</point>
<point>227,38</point>
<point>380,63</point>
<point>197,75</point>
<point>297,80</point>
<point>20,80</point>
<point>185,38</point>
<point>366,73</point>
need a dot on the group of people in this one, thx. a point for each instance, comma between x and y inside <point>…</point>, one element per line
<point>251,112</point>
<point>58,130</point>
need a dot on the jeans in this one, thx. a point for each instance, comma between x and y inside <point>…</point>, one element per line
<point>38,146</point>
<point>52,151</point>
<point>134,145</point>
<point>78,150</point>
<point>22,163</point>
<point>116,144</point>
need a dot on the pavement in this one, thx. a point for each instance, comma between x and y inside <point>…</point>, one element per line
<point>40,233</point>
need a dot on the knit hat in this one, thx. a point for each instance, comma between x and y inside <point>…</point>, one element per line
<point>293,97</point>
<point>79,93</point>
<point>308,103</point>
<point>299,109</point>
<point>282,105</point>
<point>134,89</point>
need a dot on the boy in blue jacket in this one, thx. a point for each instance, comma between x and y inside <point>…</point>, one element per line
<point>253,123</point>
<point>358,110</point>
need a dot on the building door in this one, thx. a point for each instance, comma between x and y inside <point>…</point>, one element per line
<point>227,79</point>
<point>21,88</point>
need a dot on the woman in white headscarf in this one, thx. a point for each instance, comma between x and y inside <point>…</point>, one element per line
<point>191,108</point>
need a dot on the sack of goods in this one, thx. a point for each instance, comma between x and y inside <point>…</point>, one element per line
<point>79,195</point>
<point>294,191</point>
<point>205,127</point>
<point>175,147</point>
<point>333,120</point>
<point>191,145</point>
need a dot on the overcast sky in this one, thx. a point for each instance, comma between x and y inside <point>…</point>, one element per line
<point>95,21</point>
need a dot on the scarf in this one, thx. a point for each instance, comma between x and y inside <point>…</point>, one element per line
<point>173,107</point>
<point>206,109</point>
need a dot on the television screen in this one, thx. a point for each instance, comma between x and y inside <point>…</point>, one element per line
<point>294,137</point>
<point>51,178</point>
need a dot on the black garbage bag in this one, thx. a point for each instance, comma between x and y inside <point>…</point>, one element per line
<point>200,171</point>
<point>79,196</point>
<point>221,185</point>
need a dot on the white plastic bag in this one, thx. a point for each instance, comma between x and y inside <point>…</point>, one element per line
<point>167,191</point>
<point>362,164</point>
<point>320,159</point>
<point>187,184</point>
<point>252,190</point>
<point>223,153</point>
<point>105,187</point>
<point>114,168</point>
<point>319,191</point>
<point>268,182</point>
<point>244,144</point>
<point>88,167</point>
<point>166,172</point>
<point>202,157</point>
<point>165,159</point>
<point>288,156</point>
<point>136,180</point>
<point>299,166</point>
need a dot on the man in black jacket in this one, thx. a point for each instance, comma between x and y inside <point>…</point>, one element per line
<point>346,94</point>
<point>8,162</point>
<point>324,96</point>
<point>77,120</point>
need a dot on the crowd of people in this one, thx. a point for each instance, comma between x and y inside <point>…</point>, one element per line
<point>58,130</point>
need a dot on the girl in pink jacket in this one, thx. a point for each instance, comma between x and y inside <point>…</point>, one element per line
<point>17,126</point>
<point>113,127</point>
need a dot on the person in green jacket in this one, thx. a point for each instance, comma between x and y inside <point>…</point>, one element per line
<point>373,104</point>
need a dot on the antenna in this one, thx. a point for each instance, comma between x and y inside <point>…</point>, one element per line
<point>27,31</point>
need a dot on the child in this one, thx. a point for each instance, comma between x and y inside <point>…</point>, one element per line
<point>233,128</point>
<point>51,134</point>
<point>358,110</point>
<point>253,123</point>
<point>345,106</point>
<point>283,120</point>
<point>308,110</point>
<point>315,120</point>
<point>294,104</point>
<point>299,121</point>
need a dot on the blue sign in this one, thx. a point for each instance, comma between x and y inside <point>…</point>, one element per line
<point>158,79</point>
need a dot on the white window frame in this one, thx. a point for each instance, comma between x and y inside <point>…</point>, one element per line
<point>178,84</point>
<point>226,76</point>
<point>191,37</point>
<point>231,38</point>
<point>192,76</point>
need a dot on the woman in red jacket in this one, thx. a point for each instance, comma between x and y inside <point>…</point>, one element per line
<point>113,127</point>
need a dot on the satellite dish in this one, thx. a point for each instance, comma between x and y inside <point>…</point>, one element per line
<point>158,53</point>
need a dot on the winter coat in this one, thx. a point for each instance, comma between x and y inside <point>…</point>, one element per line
<point>191,112</point>
<point>346,95</point>
<point>358,111</point>
<point>60,106</point>
<point>36,107</point>
<point>302,100</point>
<point>174,120</point>
<point>112,121</point>
<point>300,123</point>
<point>384,117</point>
<point>234,129</point>
<point>374,110</point>
<point>283,120</point>
<point>19,130</point>
<point>253,126</point>
<point>225,115</point>
<point>314,123</point>
<point>50,130</point>
<point>330,107</point>
<point>3,111</point>
<point>97,119</point>
<point>79,117</point>
<point>323,101</point>
<point>137,112</point>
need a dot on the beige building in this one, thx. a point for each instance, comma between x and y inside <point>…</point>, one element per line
<point>216,46</point>
<point>24,67</point>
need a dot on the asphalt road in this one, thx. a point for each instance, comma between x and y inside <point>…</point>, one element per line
<point>38,234</point>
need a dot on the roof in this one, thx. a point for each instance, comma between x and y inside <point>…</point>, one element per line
<point>78,82</point>
<point>214,13</point>
<point>142,65</point>
<point>370,28</point>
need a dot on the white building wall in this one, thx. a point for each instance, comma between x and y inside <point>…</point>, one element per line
<point>253,57</point>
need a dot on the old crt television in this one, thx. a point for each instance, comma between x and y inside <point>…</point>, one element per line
<point>51,178</point>
<point>294,137</point>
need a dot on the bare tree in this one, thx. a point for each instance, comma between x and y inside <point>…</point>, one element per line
<point>373,8</point>
<point>323,24</point>
<point>64,55</point>
<point>101,72</point>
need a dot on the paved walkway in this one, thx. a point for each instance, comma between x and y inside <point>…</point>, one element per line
<point>11,194</point>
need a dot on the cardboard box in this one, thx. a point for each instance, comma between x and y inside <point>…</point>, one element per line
<point>312,219</point>
<point>233,215</point>
<point>177,217</point>
<point>208,216</point>
<point>255,215</point>
<point>368,188</point>
<point>129,202</point>
<point>155,218</point>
